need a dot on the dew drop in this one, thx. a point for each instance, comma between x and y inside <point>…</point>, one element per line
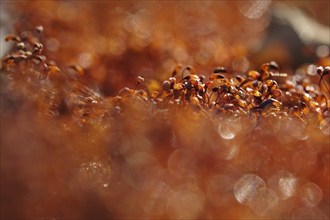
<point>298,130</point>
<point>322,51</point>
<point>310,194</point>
<point>311,70</point>
<point>254,9</point>
<point>246,187</point>
<point>283,183</point>
<point>86,60</point>
<point>264,202</point>
<point>229,128</point>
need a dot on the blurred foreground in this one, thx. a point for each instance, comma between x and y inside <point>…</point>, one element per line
<point>173,144</point>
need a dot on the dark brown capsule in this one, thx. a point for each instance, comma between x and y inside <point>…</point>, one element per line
<point>201,78</point>
<point>39,29</point>
<point>237,80</point>
<point>15,58</point>
<point>40,58</point>
<point>78,69</point>
<point>296,111</point>
<point>264,89</point>
<point>216,76</point>
<point>178,86</point>
<point>125,91</point>
<point>154,94</point>
<point>255,93</point>
<point>37,47</point>
<point>172,80</point>
<point>188,85</point>
<point>20,46</point>
<point>139,80</point>
<point>189,73</point>
<point>323,72</point>
<point>166,85</point>
<point>276,92</point>
<point>215,89</point>
<point>232,89</point>
<point>268,102</point>
<point>304,108</point>
<point>252,74</point>
<point>242,103</point>
<point>256,84</point>
<point>176,70</point>
<point>265,74</point>
<point>228,106</point>
<point>53,69</point>
<point>326,71</point>
<point>20,58</point>
<point>319,70</point>
<point>13,37</point>
<point>241,93</point>
<point>240,79</point>
<point>270,82</point>
<point>191,70</point>
<point>9,59</point>
<point>273,65</point>
<point>220,70</point>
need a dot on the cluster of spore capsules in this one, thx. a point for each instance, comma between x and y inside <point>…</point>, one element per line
<point>223,146</point>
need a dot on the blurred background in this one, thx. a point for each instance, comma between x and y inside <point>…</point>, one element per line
<point>116,41</point>
<point>60,168</point>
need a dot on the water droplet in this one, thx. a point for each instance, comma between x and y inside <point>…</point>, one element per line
<point>264,202</point>
<point>311,70</point>
<point>283,183</point>
<point>248,123</point>
<point>228,128</point>
<point>310,194</point>
<point>322,51</point>
<point>86,60</point>
<point>254,9</point>
<point>246,187</point>
<point>297,129</point>
<point>53,44</point>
